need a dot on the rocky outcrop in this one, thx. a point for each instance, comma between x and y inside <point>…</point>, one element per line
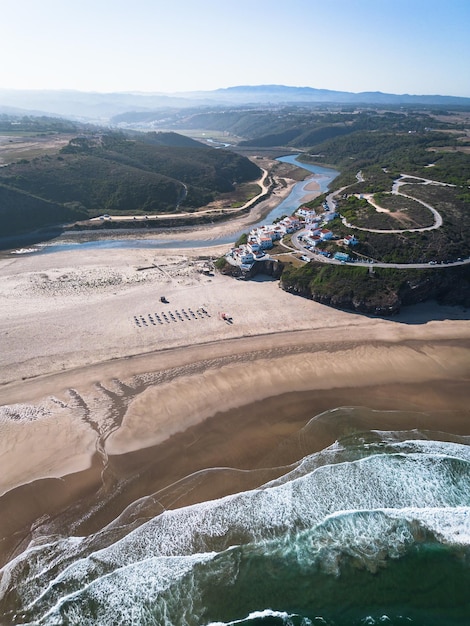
<point>267,267</point>
<point>447,285</point>
<point>382,293</point>
<point>382,304</point>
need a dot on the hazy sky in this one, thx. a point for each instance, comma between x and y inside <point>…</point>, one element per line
<point>395,46</point>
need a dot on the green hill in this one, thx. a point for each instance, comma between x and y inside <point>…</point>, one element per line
<point>382,292</point>
<point>21,212</point>
<point>174,140</point>
<point>113,173</point>
<point>293,126</point>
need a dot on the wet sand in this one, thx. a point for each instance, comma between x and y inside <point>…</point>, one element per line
<point>97,410</point>
<point>314,188</point>
<point>229,452</point>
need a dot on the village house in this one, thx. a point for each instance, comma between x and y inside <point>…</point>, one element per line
<point>253,245</point>
<point>350,240</point>
<point>274,231</point>
<point>264,232</point>
<point>265,241</point>
<point>313,240</point>
<point>326,234</point>
<point>306,214</point>
<point>290,223</point>
<point>314,230</point>
<point>288,227</point>
<point>277,232</point>
<point>243,255</point>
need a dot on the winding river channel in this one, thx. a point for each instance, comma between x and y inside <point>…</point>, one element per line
<point>323,176</point>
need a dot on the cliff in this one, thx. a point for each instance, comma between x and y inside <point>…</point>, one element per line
<point>382,292</point>
<point>268,267</point>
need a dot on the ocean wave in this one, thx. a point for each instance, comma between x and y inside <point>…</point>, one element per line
<point>292,574</point>
<point>365,502</point>
<point>268,616</point>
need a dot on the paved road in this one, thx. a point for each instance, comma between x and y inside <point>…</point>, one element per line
<point>298,247</point>
<point>330,199</point>
<point>156,216</point>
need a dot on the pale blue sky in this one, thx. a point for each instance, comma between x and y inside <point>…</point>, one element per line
<point>395,46</point>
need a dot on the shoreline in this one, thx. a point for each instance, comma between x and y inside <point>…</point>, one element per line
<point>114,385</point>
<point>156,396</point>
<point>231,451</point>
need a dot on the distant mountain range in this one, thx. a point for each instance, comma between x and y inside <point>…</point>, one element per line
<point>283,94</point>
<point>100,107</point>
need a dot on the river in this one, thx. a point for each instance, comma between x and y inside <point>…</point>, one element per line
<point>323,176</point>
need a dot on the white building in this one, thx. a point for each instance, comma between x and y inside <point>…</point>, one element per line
<point>315,230</point>
<point>313,240</point>
<point>243,255</point>
<point>290,223</point>
<point>265,241</point>
<point>306,214</point>
<point>326,234</point>
<point>350,240</point>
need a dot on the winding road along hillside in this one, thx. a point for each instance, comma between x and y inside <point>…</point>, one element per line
<point>402,180</point>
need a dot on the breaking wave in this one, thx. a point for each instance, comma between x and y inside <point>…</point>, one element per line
<point>374,529</point>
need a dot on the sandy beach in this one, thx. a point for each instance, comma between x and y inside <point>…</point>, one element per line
<point>96,373</point>
<point>82,322</point>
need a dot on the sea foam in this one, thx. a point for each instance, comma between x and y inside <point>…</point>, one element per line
<point>363,505</point>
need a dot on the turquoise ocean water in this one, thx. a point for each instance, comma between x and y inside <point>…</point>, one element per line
<point>373,529</point>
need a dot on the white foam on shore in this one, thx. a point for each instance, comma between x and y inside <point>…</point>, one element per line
<point>120,593</point>
<point>25,250</point>
<point>394,490</point>
<point>263,614</point>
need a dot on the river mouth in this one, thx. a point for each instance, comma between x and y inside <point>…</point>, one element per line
<point>152,238</point>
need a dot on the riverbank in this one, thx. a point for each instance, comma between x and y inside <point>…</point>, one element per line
<point>226,226</point>
<point>285,195</point>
